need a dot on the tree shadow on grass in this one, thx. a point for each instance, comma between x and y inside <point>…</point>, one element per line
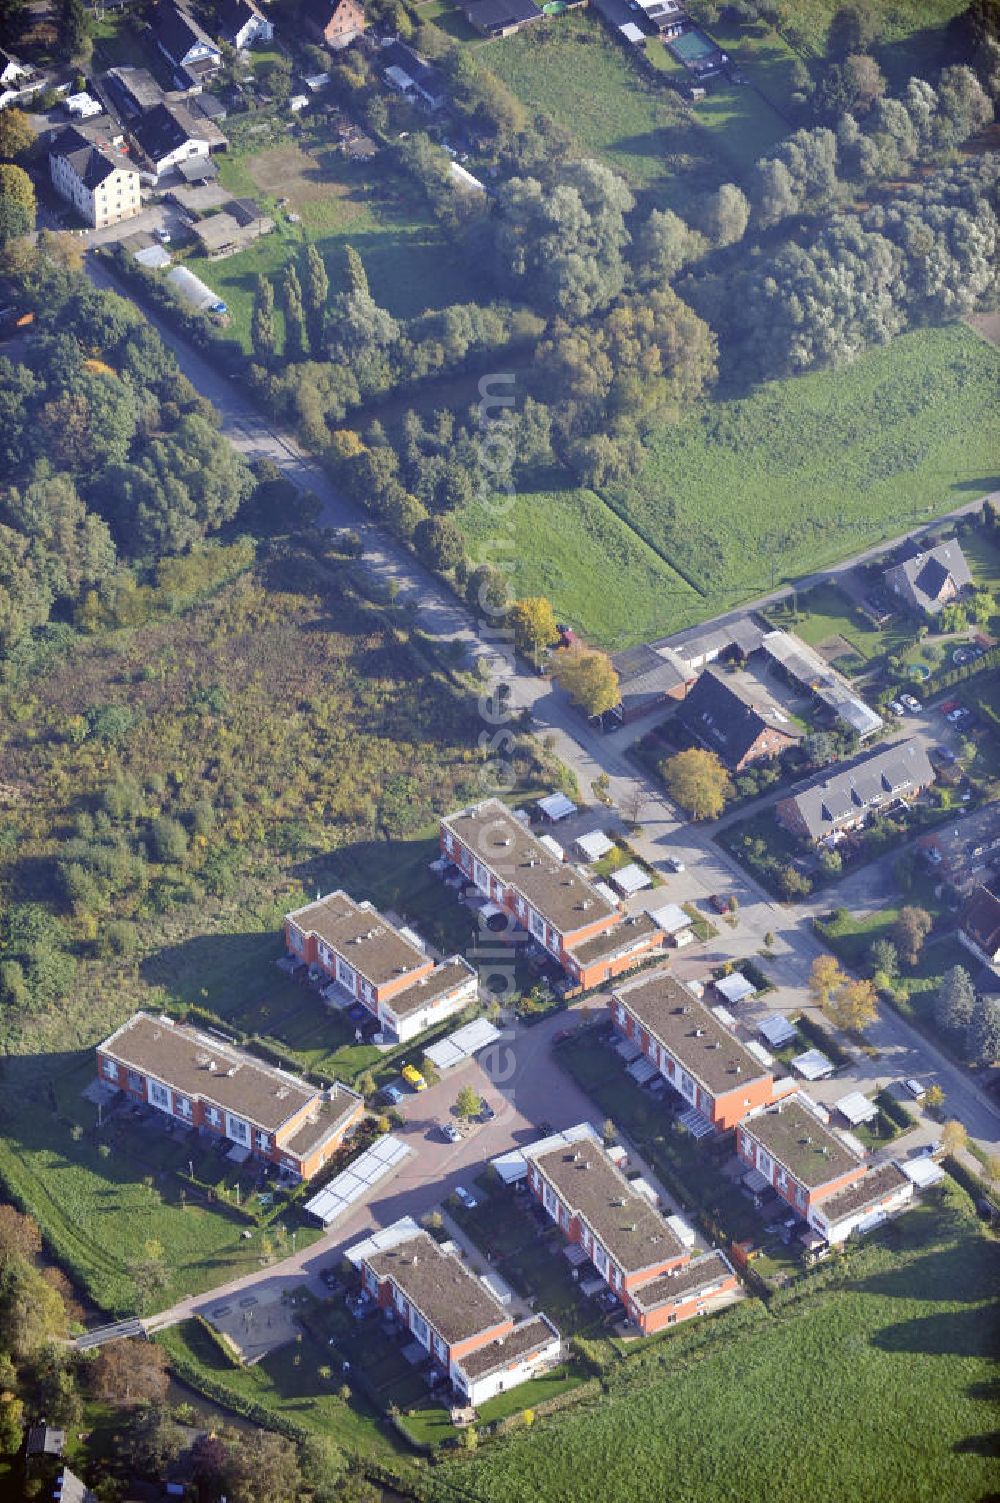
<point>968,1333</point>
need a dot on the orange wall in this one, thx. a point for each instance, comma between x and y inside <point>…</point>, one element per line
<point>656,1320</point>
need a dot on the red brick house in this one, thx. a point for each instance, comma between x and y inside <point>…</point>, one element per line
<point>798,1154</point>
<point>697,1054</point>
<point>206,1083</point>
<point>380,965</point>
<point>561,909</point>
<point>730,715</point>
<point>634,1250</point>
<point>468,1334</point>
<point>337,23</point>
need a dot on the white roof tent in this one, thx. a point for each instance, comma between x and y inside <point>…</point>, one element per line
<point>777,1030</point>
<point>552,846</point>
<point>463,1044</point>
<point>856,1108</point>
<point>671,918</point>
<point>735,987</point>
<point>813,1065</point>
<point>381,1159</point>
<point>556,806</point>
<point>593,846</point>
<point>630,879</point>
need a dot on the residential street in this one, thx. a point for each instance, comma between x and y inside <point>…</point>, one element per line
<point>536,1089</point>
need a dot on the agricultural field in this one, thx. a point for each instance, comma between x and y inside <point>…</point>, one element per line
<point>749,492</point>
<point>601,577</point>
<point>410,265</point>
<point>909,1315</point>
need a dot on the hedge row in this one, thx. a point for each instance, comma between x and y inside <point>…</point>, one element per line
<point>952,676</point>
<point>218,1341</point>
<point>977,1187</point>
<point>895,1110</point>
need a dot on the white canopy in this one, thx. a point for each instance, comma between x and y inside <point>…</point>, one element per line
<point>857,1108</point>
<point>631,878</point>
<point>671,918</point>
<point>593,846</point>
<point>556,806</point>
<point>735,988</point>
<point>813,1064</point>
<point>552,846</point>
<point>777,1030</point>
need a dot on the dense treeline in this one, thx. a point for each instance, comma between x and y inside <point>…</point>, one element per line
<point>108,455</point>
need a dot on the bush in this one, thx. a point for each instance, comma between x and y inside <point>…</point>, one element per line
<point>168,840</point>
<point>896,1111</point>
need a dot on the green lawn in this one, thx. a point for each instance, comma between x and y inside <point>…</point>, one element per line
<point>639,127</point>
<point>97,1213</point>
<point>289,1385</point>
<point>569,545</point>
<point>747,493</point>
<point>410,264</point>
<point>909,33</point>
<point>825,612</point>
<point>828,1398</point>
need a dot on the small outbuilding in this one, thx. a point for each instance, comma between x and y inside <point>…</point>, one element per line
<point>593,846</point>
<point>631,879</point>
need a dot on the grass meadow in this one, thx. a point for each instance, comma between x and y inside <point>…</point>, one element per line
<point>598,573</point>
<point>748,493</point>
<point>411,266</point>
<point>872,1379</point>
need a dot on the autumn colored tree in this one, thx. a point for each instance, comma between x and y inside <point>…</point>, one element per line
<point>534,625</point>
<point>19,1235</point>
<point>130,1372</point>
<point>909,932</point>
<point>853,1006</point>
<point>589,678</point>
<point>17,203</point>
<point>697,780</point>
<point>953,1136</point>
<point>825,979</point>
<point>16,134</point>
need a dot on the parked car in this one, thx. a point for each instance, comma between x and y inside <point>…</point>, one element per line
<point>486,1112</point>
<point>911,702</point>
<point>393,1094</point>
<point>948,706</point>
<point>916,1090</point>
<point>413,1077</point>
<point>450,1132</point>
<point>896,707</point>
<point>672,863</point>
<point>467,1198</point>
<point>720,902</point>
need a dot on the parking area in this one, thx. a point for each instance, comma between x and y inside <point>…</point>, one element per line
<point>256,1323</point>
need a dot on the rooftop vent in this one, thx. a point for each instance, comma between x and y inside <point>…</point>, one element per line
<point>211,1064</point>
<point>699,1033</point>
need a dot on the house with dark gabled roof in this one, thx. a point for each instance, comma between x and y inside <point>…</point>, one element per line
<point>966,851</point>
<point>735,720</point>
<point>930,579</point>
<point>500,18</point>
<point>837,801</point>
<point>980,926</point>
<point>648,677</point>
<point>100,183</point>
<point>169,134</point>
<point>185,44</point>
<point>240,23</point>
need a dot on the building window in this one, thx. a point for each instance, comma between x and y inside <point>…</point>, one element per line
<point>419,1328</point>
<point>136,1081</point>
<point>800,1196</point>
<point>159,1096</point>
<point>237,1129</point>
<point>481,876</point>
<point>687,1085</point>
<point>600,1260</point>
<point>110,1069</point>
<point>262,1141</point>
<point>345,975</point>
<point>536,925</point>
<point>295,939</point>
<point>212,1115</point>
<point>551,1202</point>
<point>182,1106</point>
